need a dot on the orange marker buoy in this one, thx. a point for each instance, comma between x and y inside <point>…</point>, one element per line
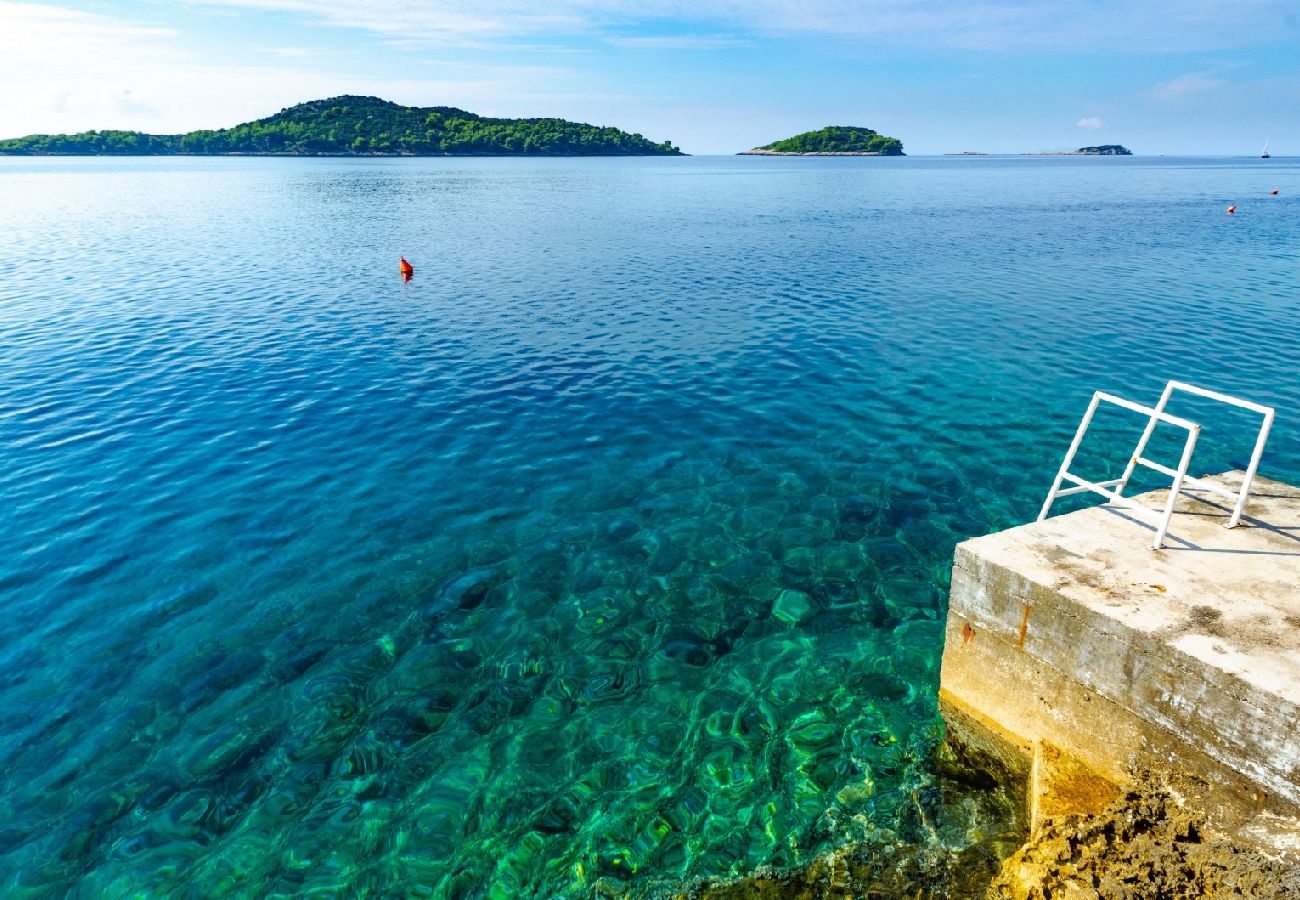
<point>407,268</point>
<point>1273,192</point>
<point>1231,210</point>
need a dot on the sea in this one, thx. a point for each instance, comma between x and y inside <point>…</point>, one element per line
<point>608,553</point>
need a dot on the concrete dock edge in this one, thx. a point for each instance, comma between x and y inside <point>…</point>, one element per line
<point>1095,658</point>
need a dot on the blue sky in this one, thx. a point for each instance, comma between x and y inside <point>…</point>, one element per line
<point>713,76</point>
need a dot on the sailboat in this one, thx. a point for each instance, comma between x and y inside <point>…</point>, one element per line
<point>1264,155</point>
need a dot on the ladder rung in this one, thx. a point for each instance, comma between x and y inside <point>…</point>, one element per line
<point>1199,485</point>
<point>1097,488</point>
<point>1157,414</point>
<point>1188,480</point>
<point>1222,398</point>
<point>1084,488</point>
<point>1162,469</point>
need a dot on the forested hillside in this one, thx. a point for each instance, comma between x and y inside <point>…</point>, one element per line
<point>360,126</point>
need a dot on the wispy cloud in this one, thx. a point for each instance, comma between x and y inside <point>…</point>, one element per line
<point>1091,122</point>
<point>422,20</point>
<point>1139,26</point>
<point>35,31</point>
<point>678,42</point>
<point>287,52</point>
<point>1185,86</point>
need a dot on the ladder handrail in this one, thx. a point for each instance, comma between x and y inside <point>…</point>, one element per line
<point>1156,414</point>
<point>1266,411</point>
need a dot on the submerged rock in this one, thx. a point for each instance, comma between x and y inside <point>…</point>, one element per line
<point>947,839</point>
<point>863,871</point>
<point>792,607</point>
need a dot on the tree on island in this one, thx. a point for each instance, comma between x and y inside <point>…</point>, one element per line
<point>362,126</point>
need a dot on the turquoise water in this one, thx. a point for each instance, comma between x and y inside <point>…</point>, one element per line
<point>610,550</point>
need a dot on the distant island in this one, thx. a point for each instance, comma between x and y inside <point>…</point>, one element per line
<point>357,126</point>
<point>1103,150</point>
<point>833,140</point>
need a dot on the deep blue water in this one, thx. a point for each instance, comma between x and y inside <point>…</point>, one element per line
<point>611,549</point>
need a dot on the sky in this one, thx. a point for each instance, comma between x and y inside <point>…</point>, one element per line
<point>1214,77</point>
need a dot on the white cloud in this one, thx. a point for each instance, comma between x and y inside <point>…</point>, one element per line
<point>65,70</point>
<point>63,65</point>
<point>36,35</point>
<point>28,22</point>
<point>1089,122</point>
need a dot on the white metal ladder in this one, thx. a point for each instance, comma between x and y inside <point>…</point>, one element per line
<point>1113,490</point>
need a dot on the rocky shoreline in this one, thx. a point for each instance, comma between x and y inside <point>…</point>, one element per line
<point>1146,843</point>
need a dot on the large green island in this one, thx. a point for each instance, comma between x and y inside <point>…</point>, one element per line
<point>357,126</point>
<point>833,140</point>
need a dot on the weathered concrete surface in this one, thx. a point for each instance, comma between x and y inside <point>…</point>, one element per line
<point>1102,657</point>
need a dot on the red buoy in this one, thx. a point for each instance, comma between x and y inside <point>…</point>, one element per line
<point>407,268</point>
<point>1231,210</point>
<point>1273,192</point>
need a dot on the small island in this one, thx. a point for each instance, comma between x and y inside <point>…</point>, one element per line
<point>833,140</point>
<point>1103,150</point>
<point>357,126</point>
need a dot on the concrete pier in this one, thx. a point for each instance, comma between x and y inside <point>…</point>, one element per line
<point>1074,645</point>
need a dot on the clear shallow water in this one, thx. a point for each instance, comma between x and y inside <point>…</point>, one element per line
<point>613,546</point>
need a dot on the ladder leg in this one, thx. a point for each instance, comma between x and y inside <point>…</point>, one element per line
<point>1146,437</point>
<point>1235,520</point>
<point>1176,487</point>
<point>1069,454</point>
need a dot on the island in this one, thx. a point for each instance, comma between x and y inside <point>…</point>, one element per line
<point>1103,150</point>
<point>833,140</point>
<point>357,126</point>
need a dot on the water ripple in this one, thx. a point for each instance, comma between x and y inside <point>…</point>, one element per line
<point>612,549</point>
